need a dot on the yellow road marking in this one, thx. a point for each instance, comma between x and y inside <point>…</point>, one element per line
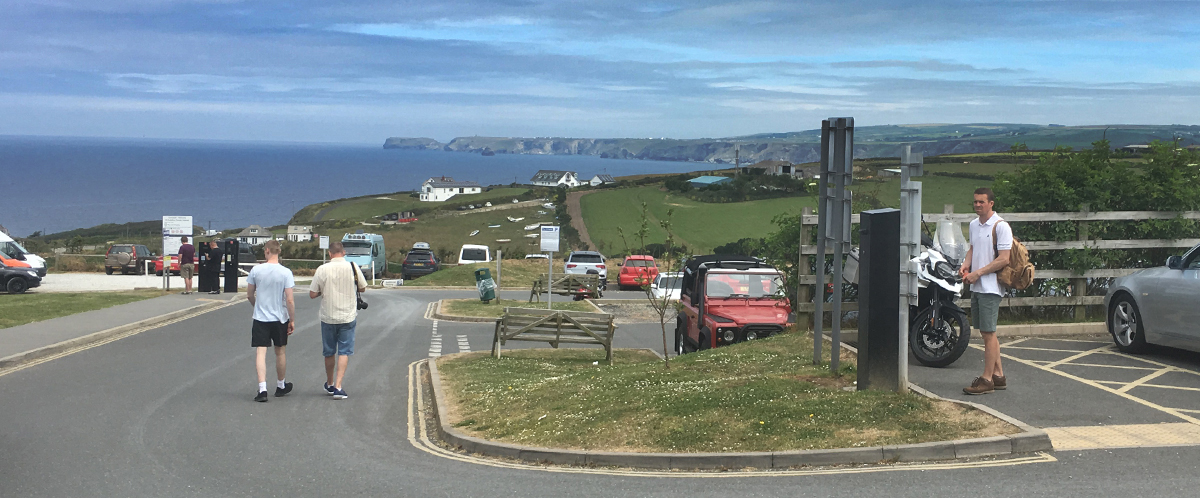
<point>1040,349</point>
<point>1159,386</point>
<point>1124,436</point>
<point>1015,341</point>
<point>1102,366</point>
<point>1071,340</point>
<point>1144,380</point>
<point>1078,356</point>
<point>418,430</point>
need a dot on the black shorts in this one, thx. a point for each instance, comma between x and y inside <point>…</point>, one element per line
<point>263,333</point>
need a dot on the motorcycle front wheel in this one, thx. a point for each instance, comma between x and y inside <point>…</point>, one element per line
<point>942,343</point>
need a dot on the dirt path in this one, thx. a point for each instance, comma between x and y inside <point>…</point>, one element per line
<point>576,214</point>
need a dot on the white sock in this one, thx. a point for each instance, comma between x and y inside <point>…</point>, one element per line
<point>262,386</point>
<point>280,384</point>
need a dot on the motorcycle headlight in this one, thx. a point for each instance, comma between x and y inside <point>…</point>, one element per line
<point>943,270</point>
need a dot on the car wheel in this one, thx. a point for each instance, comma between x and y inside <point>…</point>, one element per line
<point>108,270</point>
<point>17,285</point>
<point>1125,325</point>
<point>678,337</point>
<point>158,273</point>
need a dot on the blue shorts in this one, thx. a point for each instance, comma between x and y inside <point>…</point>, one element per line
<point>339,337</point>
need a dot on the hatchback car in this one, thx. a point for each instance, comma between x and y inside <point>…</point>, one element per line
<point>636,271</point>
<point>419,262</point>
<point>1157,306</point>
<point>17,280</point>
<point>127,258</point>
<point>580,262</point>
<point>667,284</point>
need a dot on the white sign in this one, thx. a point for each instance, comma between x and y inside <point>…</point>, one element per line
<point>173,228</point>
<point>324,242</point>
<point>549,239</point>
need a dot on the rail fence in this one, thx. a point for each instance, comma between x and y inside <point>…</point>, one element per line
<point>808,282</point>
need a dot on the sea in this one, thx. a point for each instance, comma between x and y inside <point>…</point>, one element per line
<point>53,184</point>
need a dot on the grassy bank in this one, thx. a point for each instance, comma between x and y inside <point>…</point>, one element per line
<point>366,208</point>
<point>517,273</point>
<point>475,307</point>
<point>758,396</point>
<point>19,309</point>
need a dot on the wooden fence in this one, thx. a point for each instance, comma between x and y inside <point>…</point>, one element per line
<point>808,281</point>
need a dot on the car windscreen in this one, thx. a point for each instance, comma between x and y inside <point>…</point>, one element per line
<point>743,285</point>
<point>670,282</point>
<point>637,263</point>
<point>587,258</point>
<point>357,248</point>
<point>121,249</point>
<point>473,255</point>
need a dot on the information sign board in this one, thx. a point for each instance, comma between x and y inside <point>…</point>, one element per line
<point>549,239</point>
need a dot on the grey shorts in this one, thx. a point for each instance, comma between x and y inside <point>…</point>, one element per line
<point>985,309</point>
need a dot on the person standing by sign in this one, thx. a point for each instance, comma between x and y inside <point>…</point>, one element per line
<point>215,256</point>
<point>187,264</point>
<point>269,289</point>
<point>337,283</point>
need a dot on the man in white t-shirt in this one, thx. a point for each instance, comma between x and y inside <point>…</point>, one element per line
<point>337,283</point>
<point>985,257</point>
<point>269,290</point>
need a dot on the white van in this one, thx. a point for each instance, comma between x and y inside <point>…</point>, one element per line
<point>12,249</point>
<point>471,253</point>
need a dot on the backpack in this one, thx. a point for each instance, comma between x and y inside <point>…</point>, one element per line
<point>1019,272</point>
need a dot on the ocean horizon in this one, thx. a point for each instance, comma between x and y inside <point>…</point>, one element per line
<point>63,183</point>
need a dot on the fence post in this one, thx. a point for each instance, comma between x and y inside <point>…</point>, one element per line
<point>804,293</point>
<point>1079,285</point>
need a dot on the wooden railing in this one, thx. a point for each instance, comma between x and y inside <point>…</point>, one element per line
<point>808,281</point>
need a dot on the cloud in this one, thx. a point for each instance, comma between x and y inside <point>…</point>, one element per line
<point>921,65</point>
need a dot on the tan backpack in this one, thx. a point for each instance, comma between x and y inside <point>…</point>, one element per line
<point>1019,272</point>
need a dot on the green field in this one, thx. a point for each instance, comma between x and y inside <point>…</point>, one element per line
<point>19,309</point>
<point>936,191</point>
<point>366,208</point>
<point>701,226</point>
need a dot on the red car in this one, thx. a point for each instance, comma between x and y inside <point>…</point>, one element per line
<point>158,265</point>
<point>729,299</point>
<point>637,271</point>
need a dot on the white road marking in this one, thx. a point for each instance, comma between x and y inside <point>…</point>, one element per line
<point>435,343</point>
<point>463,345</point>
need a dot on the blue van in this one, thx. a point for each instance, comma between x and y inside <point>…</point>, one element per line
<point>363,249</point>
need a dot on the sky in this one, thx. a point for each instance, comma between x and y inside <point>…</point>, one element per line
<point>359,72</point>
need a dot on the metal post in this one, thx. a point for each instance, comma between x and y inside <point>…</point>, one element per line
<point>822,236</point>
<point>842,144</point>
<point>1079,285</point>
<point>499,257</point>
<point>550,283</point>
<point>803,292</point>
<point>372,272</point>
<point>910,239</point>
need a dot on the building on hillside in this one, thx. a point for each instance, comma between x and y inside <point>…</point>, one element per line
<point>442,188</point>
<point>1135,149</point>
<point>772,167</point>
<point>888,172</point>
<point>255,235</point>
<point>599,180</point>
<point>551,178</point>
<point>299,233</point>
<point>704,181</point>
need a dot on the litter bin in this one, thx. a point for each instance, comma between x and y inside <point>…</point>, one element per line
<point>485,284</point>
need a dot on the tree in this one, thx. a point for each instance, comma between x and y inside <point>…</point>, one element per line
<point>663,305</point>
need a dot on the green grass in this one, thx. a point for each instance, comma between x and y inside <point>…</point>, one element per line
<point>936,191</point>
<point>19,309</point>
<point>475,307</point>
<point>759,396</point>
<point>702,226</point>
<point>365,208</point>
<point>516,273</point>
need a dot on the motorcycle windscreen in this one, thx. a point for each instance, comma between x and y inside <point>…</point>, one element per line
<point>948,239</point>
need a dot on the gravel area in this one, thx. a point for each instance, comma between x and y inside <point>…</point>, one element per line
<point>635,313</point>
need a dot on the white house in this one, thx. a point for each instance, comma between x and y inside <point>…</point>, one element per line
<point>551,178</point>
<point>770,167</point>
<point>255,235</point>
<point>599,180</point>
<point>299,233</point>
<point>442,188</point>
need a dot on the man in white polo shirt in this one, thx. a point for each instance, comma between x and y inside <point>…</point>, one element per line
<point>337,284</point>
<point>985,257</point>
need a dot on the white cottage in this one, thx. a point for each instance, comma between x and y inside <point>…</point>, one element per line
<point>299,233</point>
<point>254,235</point>
<point>599,180</point>
<point>442,188</point>
<point>552,178</point>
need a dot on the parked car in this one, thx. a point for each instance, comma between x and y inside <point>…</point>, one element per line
<point>17,279</point>
<point>1157,306</point>
<point>419,261</point>
<point>729,299</point>
<point>16,251</point>
<point>127,258</point>
<point>537,255</point>
<point>579,262</point>
<point>158,265</point>
<point>636,271</point>
<point>667,284</point>
<point>473,253</point>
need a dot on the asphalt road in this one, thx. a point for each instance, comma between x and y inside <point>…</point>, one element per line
<point>168,413</point>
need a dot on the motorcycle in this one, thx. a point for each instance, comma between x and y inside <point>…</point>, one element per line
<point>938,330</point>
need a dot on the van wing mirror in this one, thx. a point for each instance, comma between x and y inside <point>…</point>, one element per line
<point>20,256</point>
<point>1175,263</point>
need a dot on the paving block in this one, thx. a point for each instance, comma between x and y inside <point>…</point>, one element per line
<point>937,450</point>
<point>635,460</point>
<point>984,446</point>
<point>560,457</point>
<point>761,460</point>
<point>1031,441</point>
<point>785,459</point>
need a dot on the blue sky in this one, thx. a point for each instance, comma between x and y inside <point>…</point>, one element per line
<point>327,71</point>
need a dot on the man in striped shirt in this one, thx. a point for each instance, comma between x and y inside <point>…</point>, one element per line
<point>335,283</point>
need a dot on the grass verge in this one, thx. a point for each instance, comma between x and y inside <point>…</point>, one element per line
<point>19,309</point>
<point>516,274</point>
<point>756,396</point>
<point>475,307</point>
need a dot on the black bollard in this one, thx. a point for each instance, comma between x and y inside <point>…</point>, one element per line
<point>879,301</point>
<point>204,285</point>
<point>231,265</point>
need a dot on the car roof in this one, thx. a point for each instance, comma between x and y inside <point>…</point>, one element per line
<point>639,256</point>
<point>586,253</point>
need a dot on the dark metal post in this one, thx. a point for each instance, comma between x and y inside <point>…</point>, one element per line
<point>878,315</point>
<point>231,265</point>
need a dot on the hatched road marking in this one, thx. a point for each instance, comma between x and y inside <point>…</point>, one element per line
<point>1124,436</point>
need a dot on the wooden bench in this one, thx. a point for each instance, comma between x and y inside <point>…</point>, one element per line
<point>567,284</point>
<point>555,327</point>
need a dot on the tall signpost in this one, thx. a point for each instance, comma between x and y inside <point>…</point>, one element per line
<point>173,227</point>
<point>910,239</point>
<point>833,226</point>
<point>550,245</point>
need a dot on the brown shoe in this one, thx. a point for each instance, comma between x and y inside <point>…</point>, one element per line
<point>980,386</point>
<point>999,382</point>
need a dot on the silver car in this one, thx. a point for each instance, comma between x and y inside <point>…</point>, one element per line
<point>1157,306</point>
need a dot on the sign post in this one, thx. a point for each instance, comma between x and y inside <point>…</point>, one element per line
<point>173,227</point>
<point>324,245</point>
<point>550,244</point>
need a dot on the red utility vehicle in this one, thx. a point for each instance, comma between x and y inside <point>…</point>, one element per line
<point>637,271</point>
<point>729,299</point>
